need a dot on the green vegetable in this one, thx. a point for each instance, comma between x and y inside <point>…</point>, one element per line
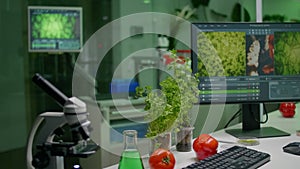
<point>168,108</point>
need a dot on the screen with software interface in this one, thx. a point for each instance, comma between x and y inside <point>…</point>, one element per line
<point>247,62</point>
<point>54,29</point>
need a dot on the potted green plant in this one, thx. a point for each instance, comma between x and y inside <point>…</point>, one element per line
<point>169,108</point>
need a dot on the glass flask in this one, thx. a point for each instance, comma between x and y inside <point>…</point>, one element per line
<point>130,157</point>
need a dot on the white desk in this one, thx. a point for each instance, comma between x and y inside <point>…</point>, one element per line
<point>273,146</point>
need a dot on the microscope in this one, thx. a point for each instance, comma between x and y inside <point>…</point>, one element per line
<point>45,149</point>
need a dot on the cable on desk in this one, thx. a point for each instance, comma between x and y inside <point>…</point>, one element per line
<point>264,112</point>
<point>237,114</point>
<point>267,115</point>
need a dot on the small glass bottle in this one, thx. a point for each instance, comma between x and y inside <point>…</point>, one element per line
<point>131,157</point>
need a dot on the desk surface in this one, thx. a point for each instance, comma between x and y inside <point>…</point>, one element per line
<point>273,145</point>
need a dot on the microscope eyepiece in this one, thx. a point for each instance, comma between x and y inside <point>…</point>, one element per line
<point>74,109</point>
<point>50,89</point>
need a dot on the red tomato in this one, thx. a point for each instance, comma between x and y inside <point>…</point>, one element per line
<point>204,146</point>
<point>162,159</point>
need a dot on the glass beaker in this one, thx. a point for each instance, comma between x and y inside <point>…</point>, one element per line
<point>130,157</point>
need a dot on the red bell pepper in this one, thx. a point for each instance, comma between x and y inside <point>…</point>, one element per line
<point>287,109</point>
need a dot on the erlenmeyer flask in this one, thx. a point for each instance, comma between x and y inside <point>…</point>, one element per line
<point>131,157</point>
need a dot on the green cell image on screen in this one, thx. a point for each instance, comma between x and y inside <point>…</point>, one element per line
<point>287,53</point>
<point>221,53</point>
<point>53,26</point>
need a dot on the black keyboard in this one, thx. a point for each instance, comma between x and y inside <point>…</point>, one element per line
<point>236,157</point>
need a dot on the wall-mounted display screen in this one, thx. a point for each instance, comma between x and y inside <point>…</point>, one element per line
<point>54,29</point>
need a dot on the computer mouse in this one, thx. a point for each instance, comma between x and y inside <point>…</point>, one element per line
<point>292,148</point>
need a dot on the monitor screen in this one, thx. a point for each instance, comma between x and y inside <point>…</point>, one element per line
<point>54,29</point>
<point>248,64</point>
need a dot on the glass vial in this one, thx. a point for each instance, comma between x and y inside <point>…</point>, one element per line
<point>130,157</point>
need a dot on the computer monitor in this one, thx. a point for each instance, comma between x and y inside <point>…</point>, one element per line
<point>247,64</point>
<point>54,29</point>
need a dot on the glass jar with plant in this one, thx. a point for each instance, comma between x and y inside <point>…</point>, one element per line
<point>169,108</point>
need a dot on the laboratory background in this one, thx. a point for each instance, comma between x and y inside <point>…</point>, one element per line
<point>22,100</point>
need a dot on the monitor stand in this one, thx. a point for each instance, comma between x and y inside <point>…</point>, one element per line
<point>251,124</point>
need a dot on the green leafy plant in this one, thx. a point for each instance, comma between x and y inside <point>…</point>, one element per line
<point>169,107</point>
